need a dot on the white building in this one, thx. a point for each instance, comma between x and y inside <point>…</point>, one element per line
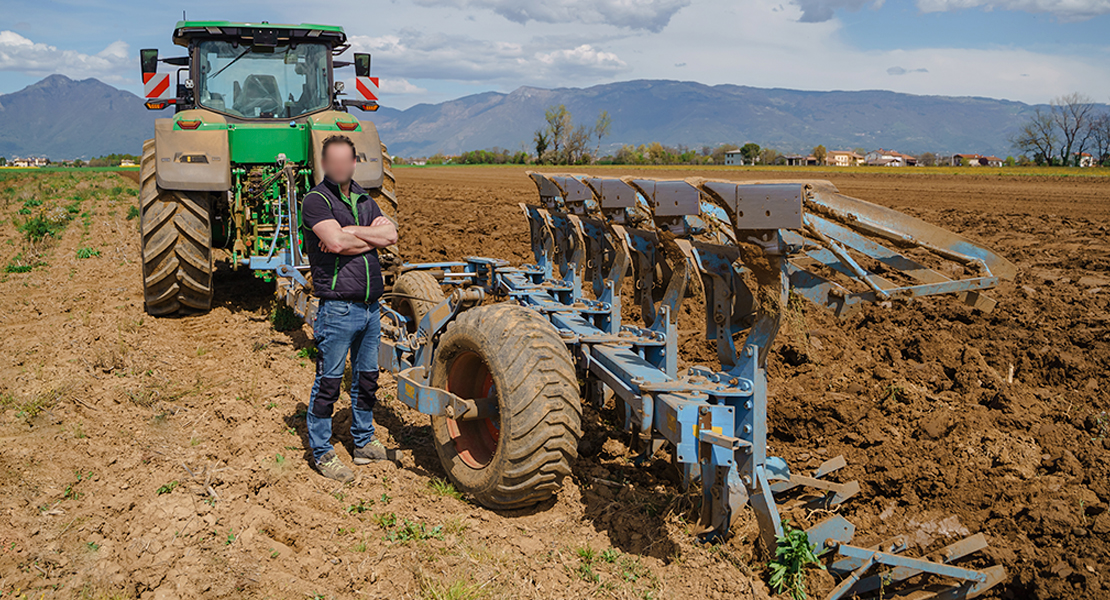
<point>29,162</point>
<point>890,158</point>
<point>842,158</point>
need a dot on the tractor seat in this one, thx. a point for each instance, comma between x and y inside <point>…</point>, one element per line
<point>258,92</point>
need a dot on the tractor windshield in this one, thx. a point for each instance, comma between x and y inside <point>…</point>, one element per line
<point>261,84</point>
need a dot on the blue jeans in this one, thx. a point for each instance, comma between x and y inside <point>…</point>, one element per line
<point>342,326</point>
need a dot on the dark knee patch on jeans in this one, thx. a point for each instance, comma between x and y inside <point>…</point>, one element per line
<point>326,395</point>
<point>367,390</point>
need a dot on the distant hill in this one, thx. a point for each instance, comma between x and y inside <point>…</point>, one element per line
<point>62,118</point>
<point>694,114</point>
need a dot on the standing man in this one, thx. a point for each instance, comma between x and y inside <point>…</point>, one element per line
<point>344,228</point>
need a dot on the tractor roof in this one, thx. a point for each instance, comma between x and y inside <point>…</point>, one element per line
<point>186,30</point>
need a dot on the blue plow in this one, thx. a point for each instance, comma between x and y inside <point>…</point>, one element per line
<point>746,247</point>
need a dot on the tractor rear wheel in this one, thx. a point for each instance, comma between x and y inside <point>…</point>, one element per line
<point>520,456</point>
<point>386,198</point>
<point>417,292</point>
<point>176,243</point>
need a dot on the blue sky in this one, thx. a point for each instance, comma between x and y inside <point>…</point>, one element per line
<point>434,50</point>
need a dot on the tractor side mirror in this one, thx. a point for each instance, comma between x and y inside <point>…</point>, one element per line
<point>362,64</point>
<point>148,60</point>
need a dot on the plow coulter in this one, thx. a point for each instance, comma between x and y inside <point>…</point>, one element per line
<point>504,381</point>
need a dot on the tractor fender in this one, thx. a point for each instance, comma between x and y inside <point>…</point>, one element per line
<point>192,160</point>
<point>368,148</point>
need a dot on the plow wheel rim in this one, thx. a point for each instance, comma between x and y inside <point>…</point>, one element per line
<point>475,439</point>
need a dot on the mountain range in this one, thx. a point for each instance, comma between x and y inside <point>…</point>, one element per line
<point>63,118</point>
<point>696,115</point>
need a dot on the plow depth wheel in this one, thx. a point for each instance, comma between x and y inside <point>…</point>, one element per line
<point>519,456</point>
<point>417,293</point>
<point>176,244</point>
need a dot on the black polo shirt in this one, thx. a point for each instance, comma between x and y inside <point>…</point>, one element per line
<point>334,276</point>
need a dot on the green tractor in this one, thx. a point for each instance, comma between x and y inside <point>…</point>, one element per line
<point>222,178</point>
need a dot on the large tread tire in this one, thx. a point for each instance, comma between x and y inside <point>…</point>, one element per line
<point>386,197</point>
<point>176,243</point>
<point>540,412</point>
<point>409,287</point>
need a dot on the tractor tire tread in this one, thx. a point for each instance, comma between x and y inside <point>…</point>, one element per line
<point>176,243</point>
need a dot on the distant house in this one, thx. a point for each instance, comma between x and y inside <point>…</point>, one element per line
<point>126,162</point>
<point>843,158</point>
<point>797,160</point>
<point>976,160</point>
<point>734,157</point>
<point>29,162</point>
<point>1083,159</point>
<point>889,158</point>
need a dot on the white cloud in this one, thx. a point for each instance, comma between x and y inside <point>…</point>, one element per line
<point>818,11</point>
<point>903,71</point>
<point>400,86</point>
<point>442,56</point>
<point>650,15</point>
<point>582,58</point>
<point>1068,10</point>
<point>18,53</point>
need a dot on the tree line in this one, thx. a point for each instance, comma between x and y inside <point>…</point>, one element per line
<point>1059,135</point>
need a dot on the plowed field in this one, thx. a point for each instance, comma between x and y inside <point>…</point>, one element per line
<point>165,458</point>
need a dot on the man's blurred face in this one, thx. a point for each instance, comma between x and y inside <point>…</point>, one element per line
<point>339,162</point>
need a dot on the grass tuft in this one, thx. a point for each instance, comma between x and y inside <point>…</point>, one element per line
<point>284,319</point>
<point>442,487</point>
<point>793,554</point>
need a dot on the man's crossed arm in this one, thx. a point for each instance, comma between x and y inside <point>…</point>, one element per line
<point>379,234</point>
<point>353,239</point>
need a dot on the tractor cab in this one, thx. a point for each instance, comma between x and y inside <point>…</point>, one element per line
<point>247,71</point>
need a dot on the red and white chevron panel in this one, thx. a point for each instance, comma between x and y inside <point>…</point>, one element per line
<point>368,87</point>
<point>157,86</point>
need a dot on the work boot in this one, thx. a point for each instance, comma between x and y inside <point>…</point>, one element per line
<point>331,467</point>
<point>370,452</point>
